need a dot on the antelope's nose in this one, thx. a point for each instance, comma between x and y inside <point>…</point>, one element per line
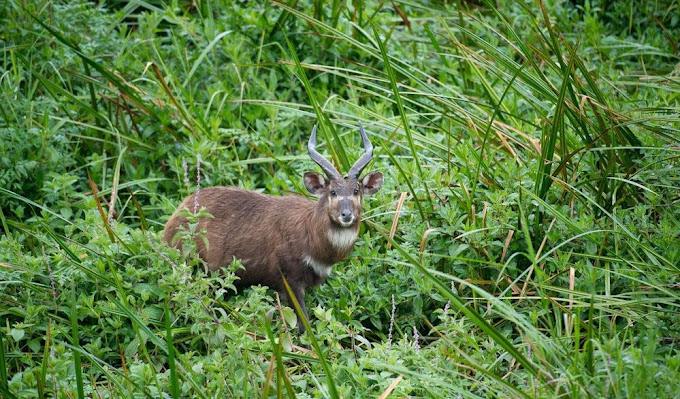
<point>346,214</point>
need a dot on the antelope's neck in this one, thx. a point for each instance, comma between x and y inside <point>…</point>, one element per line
<point>341,239</point>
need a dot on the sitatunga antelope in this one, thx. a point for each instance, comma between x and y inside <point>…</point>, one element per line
<point>291,236</point>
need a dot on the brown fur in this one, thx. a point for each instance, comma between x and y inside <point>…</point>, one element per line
<point>270,235</point>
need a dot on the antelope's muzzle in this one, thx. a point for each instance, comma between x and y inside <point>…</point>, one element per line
<point>346,206</point>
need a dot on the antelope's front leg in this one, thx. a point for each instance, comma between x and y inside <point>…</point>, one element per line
<point>300,295</point>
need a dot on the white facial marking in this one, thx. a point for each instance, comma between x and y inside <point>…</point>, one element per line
<point>321,269</point>
<point>342,238</point>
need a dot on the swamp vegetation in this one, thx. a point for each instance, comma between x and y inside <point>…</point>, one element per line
<point>526,242</point>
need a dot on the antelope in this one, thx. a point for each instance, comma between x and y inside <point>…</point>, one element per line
<point>283,236</point>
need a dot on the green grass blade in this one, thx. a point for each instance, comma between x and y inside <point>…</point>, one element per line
<point>549,139</point>
<point>42,379</point>
<point>25,200</point>
<point>496,111</point>
<point>337,149</point>
<point>402,114</point>
<point>3,364</point>
<point>116,377</point>
<point>169,342</point>
<point>330,380</point>
<point>408,182</point>
<point>75,336</point>
<point>76,260</point>
<point>203,55</point>
<point>282,375</point>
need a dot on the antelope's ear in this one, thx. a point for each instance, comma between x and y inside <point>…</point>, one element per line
<point>372,183</point>
<point>315,183</point>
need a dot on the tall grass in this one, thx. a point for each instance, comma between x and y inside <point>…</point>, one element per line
<point>77,365</point>
<point>3,369</point>
<point>534,255</point>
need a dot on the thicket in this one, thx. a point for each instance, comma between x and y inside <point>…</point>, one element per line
<point>525,244</point>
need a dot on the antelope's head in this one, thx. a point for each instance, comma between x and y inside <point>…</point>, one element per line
<point>341,195</point>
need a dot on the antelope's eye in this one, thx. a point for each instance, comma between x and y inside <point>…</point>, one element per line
<point>333,193</point>
<point>356,191</point>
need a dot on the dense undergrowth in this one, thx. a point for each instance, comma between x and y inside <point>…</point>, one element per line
<point>526,242</point>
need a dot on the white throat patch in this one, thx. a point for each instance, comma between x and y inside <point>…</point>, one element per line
<point>342,238</point>
<point>321,269</point>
